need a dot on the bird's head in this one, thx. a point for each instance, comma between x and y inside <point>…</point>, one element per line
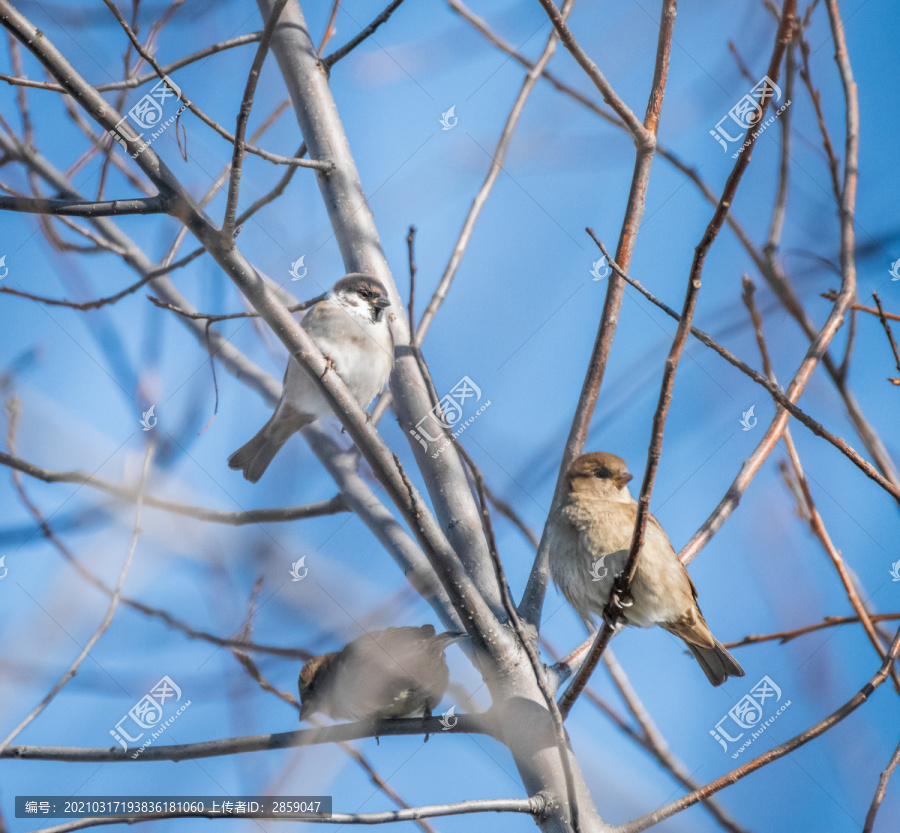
<point>313,684</point>
<point>361,295</point>
<point>600,474</point>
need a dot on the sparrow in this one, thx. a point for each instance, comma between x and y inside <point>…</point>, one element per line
<point>596,520</point>
<point>397,672</point>
<point>351,329</point>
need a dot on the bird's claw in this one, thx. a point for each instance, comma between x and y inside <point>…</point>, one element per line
<point>329,365</point>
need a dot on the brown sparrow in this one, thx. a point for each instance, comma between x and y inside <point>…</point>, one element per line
<point>595,524</point>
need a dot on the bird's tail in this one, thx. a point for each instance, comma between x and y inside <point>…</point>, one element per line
<point>253,457</point>
<point>716,662</point>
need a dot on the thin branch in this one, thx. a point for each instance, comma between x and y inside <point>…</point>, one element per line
<point>330,29</point>
<point>613,615</point>
<point>831,295</point>
<point>533,598</point>
<point>827,622</point>
<point>72,670</point>
<point>644,135</point>
<point>880,790</point>
<point>820,341</point>
<point>230,316</point>
<point>814,731</point>
<point>654,742</point>
<point>240,130</point>
<point>200,513</point>
<point>137,81</point>
<point>887,331</point>
<point>330,60</point>
<point>534,806</point>
<point>269,157</point>
<point>774,390</point>
<point>72,208</point>
<point>816,98</point>
<point>814,519</point>
<point>466,724</point>
<point>817,525</point>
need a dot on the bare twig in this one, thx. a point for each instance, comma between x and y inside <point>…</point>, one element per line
<point>887,331</point>
<point>729,778</point>
<point>466,723</point>
<point>774,390</point>
<point>200,513</point>
<point>822,338</point>
<point>645,141</point>
<point>772,272</point>
<point>269,157</point>
<point>72,670</point>
<point>328,34</point>
<point>831,295</point>
<point>533,806</point>
<point>814,519</point>
<point>330,60</point>
<point>654,742</point>
<point>827,622</point>
<point>137,81</point>
<point>240,130</point>
<point>613,614</point>
<point>70,208</point>
<point>880,790</point>
<point>644,135</point>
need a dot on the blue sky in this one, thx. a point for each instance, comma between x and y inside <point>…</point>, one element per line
<point>520,321</point>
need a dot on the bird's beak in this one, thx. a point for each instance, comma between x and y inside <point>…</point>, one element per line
<point>383,302</point>
<point>306,710</point>
<point>623,479</point>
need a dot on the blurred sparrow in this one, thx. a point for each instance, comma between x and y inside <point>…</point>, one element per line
<point>350,327</point>
<point>596,520</point>
<point>397,672</point>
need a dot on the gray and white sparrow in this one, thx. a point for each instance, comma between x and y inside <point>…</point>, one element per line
<point>351,328</point>
<point>596,520</point>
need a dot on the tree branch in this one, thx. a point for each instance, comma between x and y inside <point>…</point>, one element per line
<point>466,724</point>
<point>645,141</point>
<point>74,208</point>
<point>534,806</point>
